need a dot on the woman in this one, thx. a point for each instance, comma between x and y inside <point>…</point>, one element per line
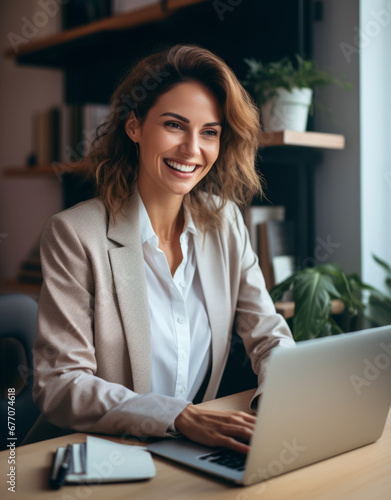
<point>144,284</point>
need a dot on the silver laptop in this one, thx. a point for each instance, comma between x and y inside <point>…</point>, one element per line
<point>321,398</point>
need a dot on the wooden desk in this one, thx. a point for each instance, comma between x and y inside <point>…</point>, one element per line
<point>364,474</point>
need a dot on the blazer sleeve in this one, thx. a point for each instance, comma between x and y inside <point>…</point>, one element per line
<point>66,387</point>
<point>256,319</point>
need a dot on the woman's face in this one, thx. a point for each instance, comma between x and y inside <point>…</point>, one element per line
<point>179,140</point>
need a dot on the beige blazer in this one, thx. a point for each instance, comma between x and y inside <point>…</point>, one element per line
<point>92,355</point>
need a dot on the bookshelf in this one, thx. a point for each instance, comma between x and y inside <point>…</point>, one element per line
<point>102,49</point>
<point>39,51</point>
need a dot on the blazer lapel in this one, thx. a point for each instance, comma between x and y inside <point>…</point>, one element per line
<point>215,284</point>
<point>127,264</point>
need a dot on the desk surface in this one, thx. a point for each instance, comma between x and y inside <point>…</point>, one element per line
<point>364,473</point>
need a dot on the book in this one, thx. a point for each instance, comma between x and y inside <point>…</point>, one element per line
<point>46,136</point>
<point>42,138</point>
<point>102,461</point>
<point>120,6</point>
<point>283,267</point>
<point>277,252</point>
<point>78,128</point>
<point>256,215</point>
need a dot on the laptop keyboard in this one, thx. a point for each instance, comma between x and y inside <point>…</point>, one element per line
<point>227,458</point>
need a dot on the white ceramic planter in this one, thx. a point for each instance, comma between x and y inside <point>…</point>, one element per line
<point>288,111</point>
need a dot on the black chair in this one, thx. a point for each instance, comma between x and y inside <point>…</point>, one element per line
<point>18,328</point>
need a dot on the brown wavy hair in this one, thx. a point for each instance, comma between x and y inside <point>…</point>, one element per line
<point>113,162</point>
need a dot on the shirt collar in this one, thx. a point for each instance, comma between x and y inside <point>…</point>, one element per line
<point>189,223</point>
<point>146,229</point>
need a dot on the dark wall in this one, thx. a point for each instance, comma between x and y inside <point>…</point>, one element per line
<point>264,29</point>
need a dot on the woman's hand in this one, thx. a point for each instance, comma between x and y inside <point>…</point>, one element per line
<point>216,428</point>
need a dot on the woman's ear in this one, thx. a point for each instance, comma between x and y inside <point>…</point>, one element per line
<point>132,127</point>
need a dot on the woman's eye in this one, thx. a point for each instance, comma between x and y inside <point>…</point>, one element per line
<point>178,126</point>
<point>173,124</point>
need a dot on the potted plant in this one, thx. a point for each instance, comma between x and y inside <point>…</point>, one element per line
<point>314,288</point>
<point>284,91</point>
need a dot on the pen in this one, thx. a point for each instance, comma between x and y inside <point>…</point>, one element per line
<point>63,469</point>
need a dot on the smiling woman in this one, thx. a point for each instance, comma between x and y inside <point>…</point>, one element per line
<point>230,116</point>
<point>176,155</point>
<point>145,283</point>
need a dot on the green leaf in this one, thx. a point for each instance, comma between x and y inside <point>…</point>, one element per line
<point>331,328</point>
<point>311,294</point>
<point>373,291</point>
<point>352,303</point>
<point>378,307</point>
<point>378,311</point>
<point>278,291</point>
<point>383,264</point>
<point>262,80</point>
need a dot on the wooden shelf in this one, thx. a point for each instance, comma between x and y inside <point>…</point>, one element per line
<point>287,309</point>
<point>125,21</point>
<point>303,139</point>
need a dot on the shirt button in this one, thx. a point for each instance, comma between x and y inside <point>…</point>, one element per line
<point>183,355</point>
<point>183,284</point>
<point>171,285</point>
<point>181,320</point>
<point>182,390</point>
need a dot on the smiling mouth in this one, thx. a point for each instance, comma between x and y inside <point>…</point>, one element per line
<point>180,167</point>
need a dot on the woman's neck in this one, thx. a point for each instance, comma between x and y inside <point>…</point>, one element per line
<point>165,213</point>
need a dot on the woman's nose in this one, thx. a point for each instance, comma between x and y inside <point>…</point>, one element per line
<point>190,145</point>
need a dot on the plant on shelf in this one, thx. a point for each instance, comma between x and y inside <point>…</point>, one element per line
<point>284,90</point>
<point>313,290</point>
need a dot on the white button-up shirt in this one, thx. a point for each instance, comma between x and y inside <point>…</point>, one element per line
<point>181,335</point>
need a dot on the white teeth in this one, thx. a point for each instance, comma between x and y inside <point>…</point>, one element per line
<point>180,167</point>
